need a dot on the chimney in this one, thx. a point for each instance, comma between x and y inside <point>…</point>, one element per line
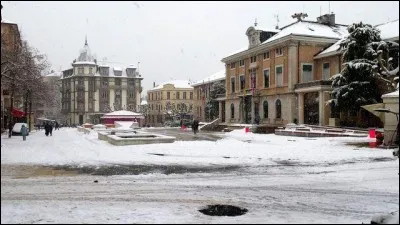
<point>327,19</point>
<point>154,84</point>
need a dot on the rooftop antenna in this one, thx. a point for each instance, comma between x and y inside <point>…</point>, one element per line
<point>255,23</point>
<point>87,22</point>
<point>329,9</point>
<point>277,21</point>
<point>320,10</point>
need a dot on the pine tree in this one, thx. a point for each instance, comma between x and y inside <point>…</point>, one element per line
<point>365,76</point>
<point>212,107</point>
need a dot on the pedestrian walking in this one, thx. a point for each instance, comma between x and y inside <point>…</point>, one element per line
<point>24,132</point>
<point>46,129</point>
<point>195,126</point>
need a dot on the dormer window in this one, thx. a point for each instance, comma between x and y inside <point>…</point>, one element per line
<point>117,72</point>
<point>103,71</point>
<point>130,71</point>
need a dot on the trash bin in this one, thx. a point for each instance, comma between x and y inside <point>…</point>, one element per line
<point>372,133</point>
<point>246,129</point>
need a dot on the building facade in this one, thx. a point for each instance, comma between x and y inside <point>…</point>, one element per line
<point>284,78</point>
<point>10,41</point>
<point>277,79</point>
<point>202,94</point>
<point>91,89</point>
<point>168,101</point>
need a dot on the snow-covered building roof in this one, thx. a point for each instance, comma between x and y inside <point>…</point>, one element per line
<point>220,75</point>
<point>85,54</point>
<point>123,113</point>
<point>55,74</point>
<point>311,29</point>
<point>7,21</point>
<point>177,84</point>
<point>330,51</point>
<point>389,30</point>
<point>304,29</point>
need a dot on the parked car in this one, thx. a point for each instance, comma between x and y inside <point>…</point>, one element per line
<point>16,131</point>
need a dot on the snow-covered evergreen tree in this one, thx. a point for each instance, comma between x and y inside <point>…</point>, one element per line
<point>212,107</point>
<point>367,71</point>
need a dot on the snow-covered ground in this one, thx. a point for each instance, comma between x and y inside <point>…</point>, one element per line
<point>278,179</point>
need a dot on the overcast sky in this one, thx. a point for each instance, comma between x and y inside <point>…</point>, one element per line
<point>171,40</point>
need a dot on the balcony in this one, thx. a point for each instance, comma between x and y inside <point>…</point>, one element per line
<point>253,65</point>
<point>313,84</point>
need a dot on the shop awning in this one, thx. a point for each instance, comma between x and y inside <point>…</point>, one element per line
<point>17,113</point>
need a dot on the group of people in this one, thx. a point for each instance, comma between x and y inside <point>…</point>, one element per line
<point>195,126</point>
<point>48,129</point>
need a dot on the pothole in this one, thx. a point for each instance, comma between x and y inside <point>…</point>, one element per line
<point>223,210</point>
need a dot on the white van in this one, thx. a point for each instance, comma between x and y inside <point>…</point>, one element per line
<point>16,131</point>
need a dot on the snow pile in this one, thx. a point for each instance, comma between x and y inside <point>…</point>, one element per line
<point>391,218</point>
<point>126,124</point>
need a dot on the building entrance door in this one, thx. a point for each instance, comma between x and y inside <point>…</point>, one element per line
<point>247,109</point>
<point>311,108</point>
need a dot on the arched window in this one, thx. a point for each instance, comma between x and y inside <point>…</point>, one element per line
<point>232,111</point>
<point>278,107</point>
<point>265,107</point>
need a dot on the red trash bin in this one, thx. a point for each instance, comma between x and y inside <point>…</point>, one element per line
<point>247,130</point>
<point>372,133</point>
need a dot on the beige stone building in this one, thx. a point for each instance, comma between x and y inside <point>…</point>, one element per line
<point>90,88</point>
<point>202,89</point>
<point>278,78</point>
<point>283,75</point>
<point>169,99</point>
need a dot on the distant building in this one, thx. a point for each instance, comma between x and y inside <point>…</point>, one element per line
<point>202,91</point>
<point>91,89</point>
<point>51,110</point>
<point>168,99</point>
<point>10,41</point>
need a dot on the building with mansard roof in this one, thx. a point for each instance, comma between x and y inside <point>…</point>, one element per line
<point>92,88</point>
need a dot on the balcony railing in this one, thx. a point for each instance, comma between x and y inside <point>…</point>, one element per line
<point>313,84</point>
